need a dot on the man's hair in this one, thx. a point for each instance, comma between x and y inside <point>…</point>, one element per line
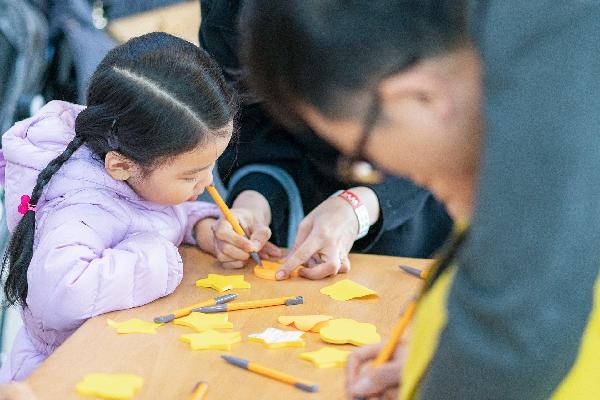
<point>332,53</point>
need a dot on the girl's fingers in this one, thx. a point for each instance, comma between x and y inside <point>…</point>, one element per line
<point>224,232</point>
<point>234,253</point>
<point>271,252</point>
<point>233,264</point>
<point>260,237</point>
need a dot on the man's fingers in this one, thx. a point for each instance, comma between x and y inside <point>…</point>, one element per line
<point>375,381</point>
<point>345,267</point>
<point>355,361</point>
<point>299,256</point>
<point>330,266</point>
<point>303,231</point>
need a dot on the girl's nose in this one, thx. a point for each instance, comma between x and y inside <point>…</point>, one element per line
<point>205,182</point>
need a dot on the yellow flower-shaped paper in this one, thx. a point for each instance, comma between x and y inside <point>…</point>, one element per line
<point>342,331</point>
<point>134,326</point>
<point>305,323</point>
<point>346,290</point>
<point>110,386</point>
<point>212,340</point>
<point>221,283</point>
<point>326,357</point>
<point>204,322</point>
<point>276,338</point>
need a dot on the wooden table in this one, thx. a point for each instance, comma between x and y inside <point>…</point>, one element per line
<point>170,369</point>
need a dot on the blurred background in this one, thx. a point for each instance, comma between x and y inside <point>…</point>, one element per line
<point>50,48</point>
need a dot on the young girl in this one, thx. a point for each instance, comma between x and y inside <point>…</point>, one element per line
<point>111,189</point>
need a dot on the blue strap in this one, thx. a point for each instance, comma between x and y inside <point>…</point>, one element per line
<point>296,210</point>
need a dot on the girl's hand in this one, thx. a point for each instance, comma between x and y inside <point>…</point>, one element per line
<point>218,238</point>
<point>364,381</point>
<point>233,250</point>
<point>326,236</point>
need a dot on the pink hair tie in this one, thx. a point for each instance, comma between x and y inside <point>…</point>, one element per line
<point>25,205</point>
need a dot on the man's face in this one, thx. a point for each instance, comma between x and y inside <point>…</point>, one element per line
<point>431,135</point>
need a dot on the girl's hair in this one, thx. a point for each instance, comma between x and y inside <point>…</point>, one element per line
<point>332,54</point>
<point>151,98</point>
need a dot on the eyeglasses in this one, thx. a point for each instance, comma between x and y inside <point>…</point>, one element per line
<point>356,168</point>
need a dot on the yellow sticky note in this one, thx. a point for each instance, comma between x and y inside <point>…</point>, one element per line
<point>211,340</point>
<point>222,283</point>
<point>305,323</point>
<point>110,386</point>
<point>276,338</point>
<point>344,330</point>
<point>134,326</point>
<point>326,357</point>
<point>346,290</point>
<point>270,268</point>
<point>204,322</point>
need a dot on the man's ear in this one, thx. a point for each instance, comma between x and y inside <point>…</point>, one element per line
<point>421,89</point>
<point>118,166</point>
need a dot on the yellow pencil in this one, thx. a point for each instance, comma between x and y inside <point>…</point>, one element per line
<point>230,218</point>
<point>271,373</point>
<point>245,305</point>
<point>388,350</point>
<point>182,312</point>
<point>199,391</point>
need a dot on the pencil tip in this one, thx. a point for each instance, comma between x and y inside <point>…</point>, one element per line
<point>410,270</point>
<point>256,258</point>
<point>307,387</point>
<point>240,362</point>
<point>163,319</point>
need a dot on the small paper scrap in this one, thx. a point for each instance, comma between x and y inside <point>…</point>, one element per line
<point>211,340</point>
<point>273,338</point>
<point>344,330</point>
<point>326,357</point>
<point>305,323</point>
<point>204,322</point>
<point>347,290</point>
<point>134,326</point>
<point>222,283</point>
<point>110,386</point>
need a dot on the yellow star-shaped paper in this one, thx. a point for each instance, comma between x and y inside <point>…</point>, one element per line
<point>273,338</point>
<point>222,283</point>
<point>212,340</point>
<point>326,357</point>
<point>305,323</point>
<point>346,290</point>
<point>134,326</point>
<point>204,322</point>
<point>110,386</point>
<point>344,330</point>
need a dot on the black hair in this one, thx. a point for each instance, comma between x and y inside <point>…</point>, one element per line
<point>331,54</point>
<point>151,98</point>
